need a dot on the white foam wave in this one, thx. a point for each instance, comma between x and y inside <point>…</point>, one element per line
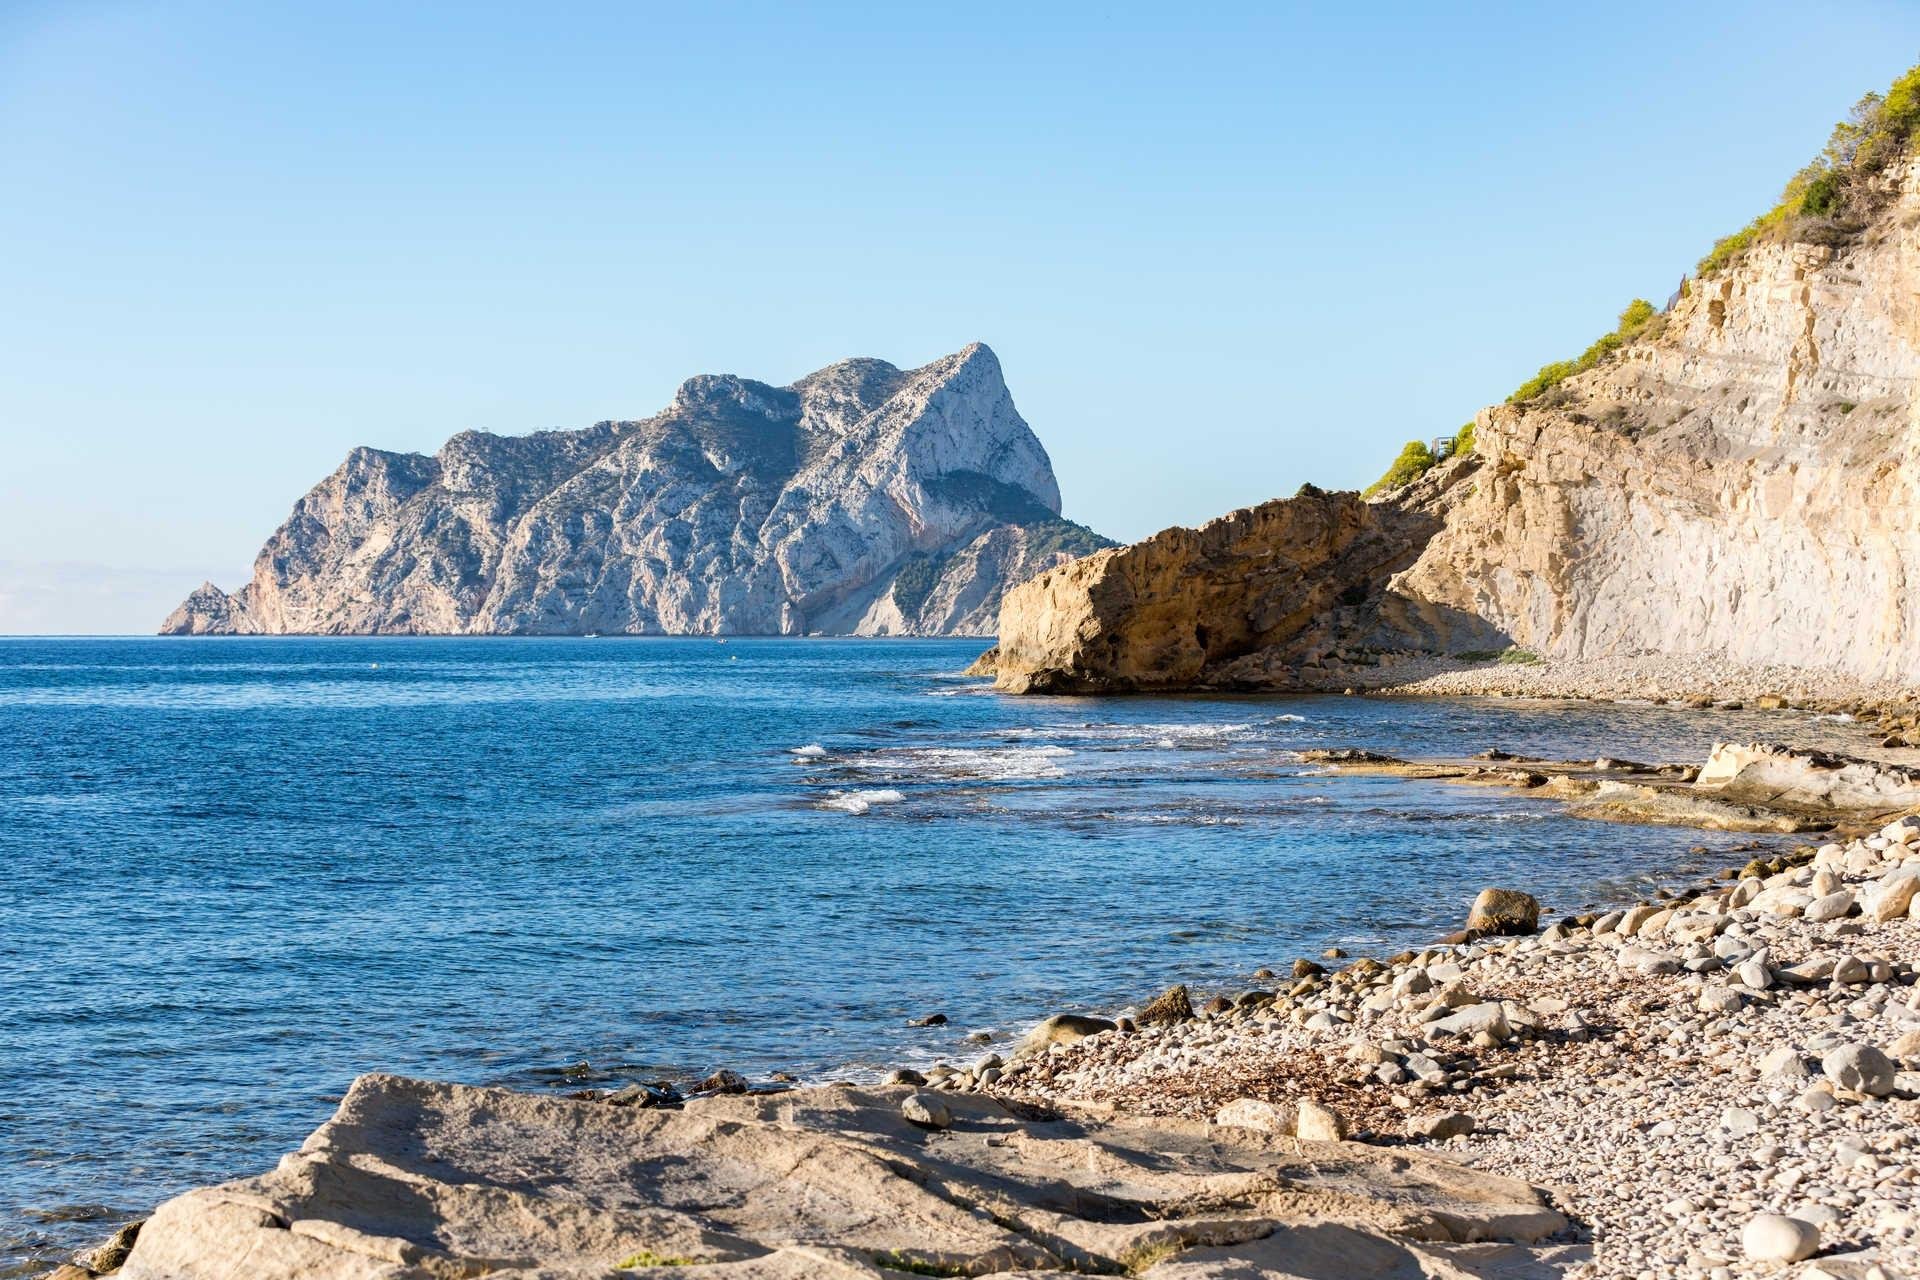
<point>860,801</point>
<point>989,764</point>
<point>812,751</point>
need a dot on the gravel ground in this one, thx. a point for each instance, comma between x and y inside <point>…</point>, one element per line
<point>1672,1076</point>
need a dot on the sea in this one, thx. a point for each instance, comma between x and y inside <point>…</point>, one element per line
<point>235,873</point>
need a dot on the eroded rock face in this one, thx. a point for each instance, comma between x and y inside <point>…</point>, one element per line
<point>1234,602</point>
<point>862,499</point>
<point>1744,484</point>
<point>412,1181</point>
<point>1768,773</point>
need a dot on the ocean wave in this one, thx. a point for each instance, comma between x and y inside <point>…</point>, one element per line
<point>857,802</point>
<point>989,764</point>
<point>812,751</point>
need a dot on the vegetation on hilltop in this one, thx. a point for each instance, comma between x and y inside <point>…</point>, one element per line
<point>1829,200</point>
<point>1418,458</point>
<point>1639,318</point>
<point>1415,460</point>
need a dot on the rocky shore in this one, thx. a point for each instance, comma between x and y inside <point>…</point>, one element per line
<point>1722,1081</point>
<point>1718,1083</point>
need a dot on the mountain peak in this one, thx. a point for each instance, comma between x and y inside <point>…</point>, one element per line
<point>705,523</point>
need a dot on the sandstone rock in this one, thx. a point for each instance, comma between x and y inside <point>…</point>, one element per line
<point>414,1179</point>
<point>1859,1067</point>
<point>1504,911</point>
<point>1774,1237</point>
<point>1254,1113</point>
<point>862,499</point>
<point>1852,970</point>
<point>112,1255</point>
<point>1438,1128</point>
<point>1171,1005</point>
<point>1316,1123</point>
<point>1489,1019</point>
<point>1061,1028</point>
<point>905,1075</point>
<point>1634,918</point>
<point>1234,603</point>
<point>1776,775</point>
<point>1832,907</point>
<point>1894,895</point>
<point>1719,1000</point>
<point>723,1081</point>
<point>926,1110</point>
<point>1632,507</point>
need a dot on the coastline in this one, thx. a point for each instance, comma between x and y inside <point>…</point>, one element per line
<point>1666,1073</point>
<point>1578,1005</point>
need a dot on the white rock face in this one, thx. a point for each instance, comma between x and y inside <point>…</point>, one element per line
<point>862,499</point>
<point>1744,485</point>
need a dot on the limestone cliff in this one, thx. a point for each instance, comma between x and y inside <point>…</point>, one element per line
<point>861,499</point>
<point>1741,480</point>
<point>1216,605</point>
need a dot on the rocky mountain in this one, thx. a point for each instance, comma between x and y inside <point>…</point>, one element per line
<point>1738,477</point>
<point>863,499</point>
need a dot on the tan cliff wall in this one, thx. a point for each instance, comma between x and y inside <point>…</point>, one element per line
<point>1743,483</point>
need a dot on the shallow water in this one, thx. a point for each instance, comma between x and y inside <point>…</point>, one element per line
<point>239,872</point>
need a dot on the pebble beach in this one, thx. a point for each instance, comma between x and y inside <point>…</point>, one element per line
<point>1725,1083</point>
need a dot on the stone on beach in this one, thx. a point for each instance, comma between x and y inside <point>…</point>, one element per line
<point>1317,1123</point>
<point>926,1110</point>
<point>1171,1005</point>
<point>1061,1028</point>
<point>1504,911</point>
<point>1438,1128</point>
<point>1859,1067</point>
<point>1489,1019</point>
<point>1257,1114</point>
<point>1774,1237</point>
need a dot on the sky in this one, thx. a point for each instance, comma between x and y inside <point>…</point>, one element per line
<point>1220,250</point>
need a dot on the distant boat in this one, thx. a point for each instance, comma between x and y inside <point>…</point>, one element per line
<point>592,635</point>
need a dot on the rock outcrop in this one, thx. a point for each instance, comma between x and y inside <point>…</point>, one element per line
<point>862,499</point>
<point>418,1181</point>
<point>1741,481</point>
<point>1770,774</point>
<point>1265,588</point>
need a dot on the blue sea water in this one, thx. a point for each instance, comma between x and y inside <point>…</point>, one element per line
<point>238,872</point>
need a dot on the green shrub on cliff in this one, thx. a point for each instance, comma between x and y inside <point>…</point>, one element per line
<point>1414,461</point>
<point>1463,441</point>
<point>1639,318</point>
<point>1826,199</point>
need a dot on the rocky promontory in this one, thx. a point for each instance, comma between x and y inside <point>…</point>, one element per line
<point>1736,478</point>
<point>862,499</point>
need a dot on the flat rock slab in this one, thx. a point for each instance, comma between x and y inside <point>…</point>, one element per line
<point>412,1180</point>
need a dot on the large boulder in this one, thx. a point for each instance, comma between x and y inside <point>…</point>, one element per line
<point>1504,911</point>
<point>1062,1028</point>
<point>1171,1005</point>
<point>1232,603</point>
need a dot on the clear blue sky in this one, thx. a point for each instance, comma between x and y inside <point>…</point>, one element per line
<point>1221,250</point>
